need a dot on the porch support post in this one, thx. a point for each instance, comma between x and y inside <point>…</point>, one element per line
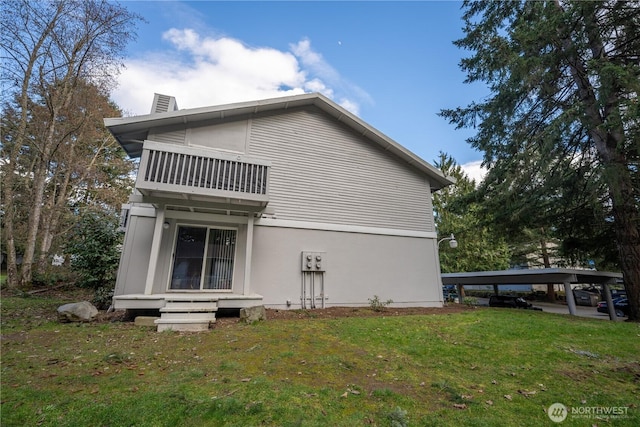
<point>607,297</point>
<point>571,301</point>
<point>247,257</point>
<point>155,250</point>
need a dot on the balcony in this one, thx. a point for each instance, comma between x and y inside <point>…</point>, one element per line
<point>188,173</point>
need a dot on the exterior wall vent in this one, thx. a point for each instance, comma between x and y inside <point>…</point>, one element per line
<point>124,217</point>
<point>163,104</point>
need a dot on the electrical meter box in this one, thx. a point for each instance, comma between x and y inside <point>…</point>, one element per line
<point>314,261</point>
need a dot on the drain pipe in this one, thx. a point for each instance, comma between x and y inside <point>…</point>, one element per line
<point>312,290</point>
<point>302,292</point>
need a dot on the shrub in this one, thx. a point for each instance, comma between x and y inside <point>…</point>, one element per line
<point>94,246</point>
<point>377,305</point>
<point>103,297</point>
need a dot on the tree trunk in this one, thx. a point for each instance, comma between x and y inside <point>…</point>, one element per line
<point>56,205</point>
<point>604,121</point>
<point>627,219</point>
<point>39,183</point>
<point>13,278</point>
<point>46,239</point>
<point>12,264</point>
<point>39,179</point>
<point>58,102</point>
<point>57,202</point>
<point>551,290</point>
<point>9,209</point>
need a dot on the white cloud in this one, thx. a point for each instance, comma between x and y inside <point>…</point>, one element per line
<point>348,105</point>
<point>313,60</point>
<point>351,95</point>
<point>202,71</point>
<point>474,170</point>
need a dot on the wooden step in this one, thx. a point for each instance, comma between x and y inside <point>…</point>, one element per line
<point>182,325</point>
<point>195,317</point>
<point>190,298</point>
<point>189,307</point>
<point>190,313</point>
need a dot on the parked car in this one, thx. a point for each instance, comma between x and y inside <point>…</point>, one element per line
<point>450,293</point>
<point>618,293</point>
<point>621,305</point>
<point>510,301</point>
<point>586,297</point>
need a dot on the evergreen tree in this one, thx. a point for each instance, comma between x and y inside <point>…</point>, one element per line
<point>480,248</point>
<point>561,128</point>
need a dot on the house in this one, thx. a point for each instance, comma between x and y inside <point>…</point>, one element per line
<point>289,203</point>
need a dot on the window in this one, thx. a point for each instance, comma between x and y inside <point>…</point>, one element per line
<point>203,259</point>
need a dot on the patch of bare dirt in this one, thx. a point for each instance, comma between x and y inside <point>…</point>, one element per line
<point>341,312</point>
<point>114,316</point>
<point>338,312</point>
<point>632,368</point>
<point>74,294</point>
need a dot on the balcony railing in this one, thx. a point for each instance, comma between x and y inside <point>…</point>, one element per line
<point>167,170</point>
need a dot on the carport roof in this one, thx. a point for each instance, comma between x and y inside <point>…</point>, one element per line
<point>531,276</point>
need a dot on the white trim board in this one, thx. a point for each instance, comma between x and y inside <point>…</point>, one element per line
<point>207,217</point>
<point>148,211</point>
<point>304,225</point>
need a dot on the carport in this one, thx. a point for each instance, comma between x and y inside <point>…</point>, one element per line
<point>541,276</point>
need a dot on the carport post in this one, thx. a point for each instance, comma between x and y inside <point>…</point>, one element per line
<point>607,297</point>
<point>571,301</point>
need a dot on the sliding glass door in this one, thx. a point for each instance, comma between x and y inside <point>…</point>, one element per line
<point>221,248</point>
<point>203,258</point>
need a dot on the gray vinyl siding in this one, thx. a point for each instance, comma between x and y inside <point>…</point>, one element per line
<point>168,134</point>
<point>322,171</point>
<point>134,261</point>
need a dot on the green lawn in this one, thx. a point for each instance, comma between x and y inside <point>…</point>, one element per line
<point>483,367</point>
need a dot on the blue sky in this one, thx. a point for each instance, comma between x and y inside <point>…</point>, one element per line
<point>391,63</point>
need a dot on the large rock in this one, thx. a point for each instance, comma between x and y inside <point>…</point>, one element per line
<point>253,314</point>
<point>77,312</point>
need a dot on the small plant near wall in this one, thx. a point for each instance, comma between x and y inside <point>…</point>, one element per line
<point>378,305</point>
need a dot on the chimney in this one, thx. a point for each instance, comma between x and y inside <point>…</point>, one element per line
<point>163,104</point>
